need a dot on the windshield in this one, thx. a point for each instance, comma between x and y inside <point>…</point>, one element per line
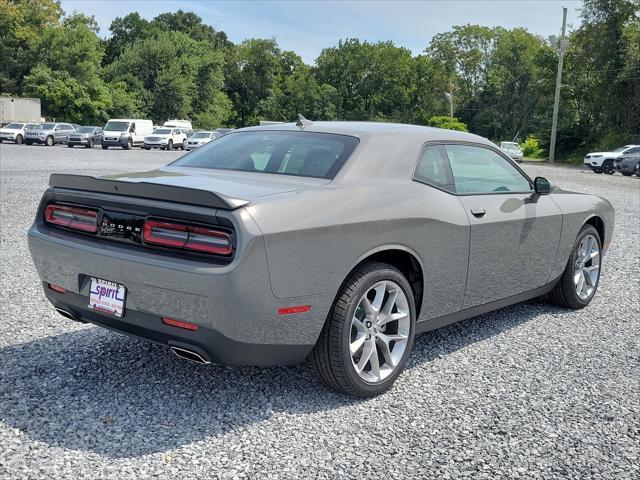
<point>306,154</point>
<point>162,131</point>
<point>201,135</point>
<point>621,149</point>
<point>15,126</point>
<point>85,130</point>
<point>509,145</point>
<point>47,126</point>
<point>117,126</point>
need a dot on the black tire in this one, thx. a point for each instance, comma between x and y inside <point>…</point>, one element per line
<point>597,170</point>
<point>170,145</point>
<point>608,167</point>
<point>49,141</point>
<point>128,145</point>
<point>147,148</point>
<point>331,357</point>
<point>564,293</point>
<point>91,143</point>
<point>19,139</point>
<point>627,174</point>
<point>104,147</point>
<point>69,145</point>
<point>0,140</point>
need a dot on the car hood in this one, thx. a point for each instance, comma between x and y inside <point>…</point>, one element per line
<point>608,154</point>
<point>245,186</point>
<point>9,130</point>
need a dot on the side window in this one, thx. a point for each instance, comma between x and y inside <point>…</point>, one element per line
<point>132,128</point>
<point>480,170</point>
<point>433,168</point>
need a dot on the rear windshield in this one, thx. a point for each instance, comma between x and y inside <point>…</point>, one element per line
<point>509,145</point>
<point>201,135</point>
<point>306,154</point>
<point>117,126</point>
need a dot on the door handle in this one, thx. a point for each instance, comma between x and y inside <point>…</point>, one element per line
<point>478,212</point>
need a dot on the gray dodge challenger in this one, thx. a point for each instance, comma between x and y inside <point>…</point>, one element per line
<point>336,242</point>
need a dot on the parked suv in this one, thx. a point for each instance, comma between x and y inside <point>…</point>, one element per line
<point>49,133</point>
<point>165,139</point>
<point>604,162</point>
<point>14,132</point>
<point>85,136</point>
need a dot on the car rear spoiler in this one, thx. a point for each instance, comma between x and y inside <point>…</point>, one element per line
<point>153,191</point>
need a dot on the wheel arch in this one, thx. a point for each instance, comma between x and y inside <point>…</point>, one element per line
<point>598,223</point>
<point>402,258</point>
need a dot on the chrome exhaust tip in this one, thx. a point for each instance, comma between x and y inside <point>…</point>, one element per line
<point>189,355</point>
<point>67,314</point>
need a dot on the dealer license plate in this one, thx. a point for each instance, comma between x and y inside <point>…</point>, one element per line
<point>107,297</point>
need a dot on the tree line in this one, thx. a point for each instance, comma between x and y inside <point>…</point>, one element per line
<point>501,81</point>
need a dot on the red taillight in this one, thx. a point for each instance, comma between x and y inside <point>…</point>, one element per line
<point>292,310</point>
<point>72,217</point>
<point>57,288</point>
<point>198,239</point>
<point>179,324</point>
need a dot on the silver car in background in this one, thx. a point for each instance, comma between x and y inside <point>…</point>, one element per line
<point>199,139</point>
<point>512,149</point>
<point>332,241</point>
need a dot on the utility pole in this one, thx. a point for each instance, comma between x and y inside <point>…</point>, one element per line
<point>449,96</point>
<point>556,100</point>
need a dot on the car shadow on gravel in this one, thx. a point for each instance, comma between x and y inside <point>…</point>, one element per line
<point>120,397</point>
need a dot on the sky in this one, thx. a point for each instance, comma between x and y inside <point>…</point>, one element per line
<point>308,26</point>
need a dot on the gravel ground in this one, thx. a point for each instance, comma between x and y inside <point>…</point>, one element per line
<point>529,391</point>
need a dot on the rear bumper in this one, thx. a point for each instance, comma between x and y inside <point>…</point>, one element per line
<point>208,343</point>
<point>233,301</point>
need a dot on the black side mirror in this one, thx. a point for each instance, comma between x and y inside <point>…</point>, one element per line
<point>542,186</point>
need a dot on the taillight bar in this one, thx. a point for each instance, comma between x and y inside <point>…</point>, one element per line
<point>198,239</point>
<point>72,217</point>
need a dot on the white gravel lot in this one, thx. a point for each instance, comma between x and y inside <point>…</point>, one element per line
<point>529,391</point>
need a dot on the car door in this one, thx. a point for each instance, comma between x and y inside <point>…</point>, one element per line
<point>58,134</point>
<point>514,232</point>
<point>443,241</point>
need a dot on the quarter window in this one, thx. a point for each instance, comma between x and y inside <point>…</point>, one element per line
<point>480,170</point>
<point>433,168</point>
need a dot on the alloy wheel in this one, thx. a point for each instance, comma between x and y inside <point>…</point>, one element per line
<point>586,270</point>
<point>380,330</point>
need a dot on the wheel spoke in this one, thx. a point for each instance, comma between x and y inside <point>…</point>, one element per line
<point>580,285</point>
<point>391,301</point>
<point>357,344</point>
<point>380,290</point>
<point>374,362</point>
<point>400,315</point>
<point>367,351</point>
<point>359,325</point>
<point>386,350</point>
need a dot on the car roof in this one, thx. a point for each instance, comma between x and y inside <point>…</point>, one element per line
<point>370,129</point>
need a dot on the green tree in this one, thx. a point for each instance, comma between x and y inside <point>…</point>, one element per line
<point>373,81</point>
<point>174,76</point>
<point>250,72</point>
<point>450,123</point>
<point>21,25</point>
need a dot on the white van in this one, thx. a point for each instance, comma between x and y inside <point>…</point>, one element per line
<point>186,124</point>
<point>125,132</point>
